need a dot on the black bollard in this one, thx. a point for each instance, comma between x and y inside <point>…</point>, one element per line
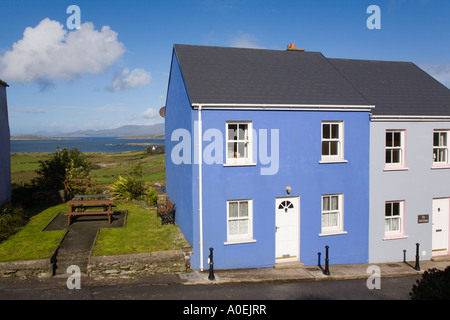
<point>327,270</point>
<point>404,256</point>
<point>318,263</point>
<point>211,265</point>
<point>417,267</point>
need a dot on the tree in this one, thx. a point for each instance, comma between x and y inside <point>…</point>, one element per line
<point>52,172</point>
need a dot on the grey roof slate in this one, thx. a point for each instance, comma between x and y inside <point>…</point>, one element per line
<point>396,88</point>
<point>259,76</point>
<point>256,76</point>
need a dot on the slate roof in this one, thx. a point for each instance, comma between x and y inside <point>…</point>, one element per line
<point>258,76</point>
<point>236,75</point>
<point>396,88</point>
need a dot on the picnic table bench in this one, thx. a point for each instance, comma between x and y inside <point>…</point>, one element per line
<point>79,208</point>
<point>167,212</point>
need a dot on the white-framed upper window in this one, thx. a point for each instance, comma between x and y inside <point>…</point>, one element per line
<point>393,218</point>
<point>440,147</point>
<point>332,214</point>
<point>239,221</point>
<point>395,148</point>
<point>239,142</point>
<point>332,141</point>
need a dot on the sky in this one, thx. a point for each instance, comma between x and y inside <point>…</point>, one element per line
<point>113,69</point>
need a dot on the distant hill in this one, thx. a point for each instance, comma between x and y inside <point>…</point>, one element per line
<point>125,131</point>
<point>146,136</point>
<point>31,137</point>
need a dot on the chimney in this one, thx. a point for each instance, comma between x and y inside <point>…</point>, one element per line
<point>291,47</point>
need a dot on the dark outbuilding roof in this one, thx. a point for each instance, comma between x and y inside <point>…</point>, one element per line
<point>256,76</point>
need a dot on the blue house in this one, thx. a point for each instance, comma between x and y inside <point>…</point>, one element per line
<point>5,162</point>
<point>267,157</point>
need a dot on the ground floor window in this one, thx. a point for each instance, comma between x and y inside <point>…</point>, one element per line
<point>239,220</point>
<point>332,213</point>
<point>393,217</point>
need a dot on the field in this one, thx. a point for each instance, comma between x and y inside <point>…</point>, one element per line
<point>106,167</point>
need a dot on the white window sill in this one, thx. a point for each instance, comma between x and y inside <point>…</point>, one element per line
<point>239,241</point>
<point>332,233</point>
<point>440,166</point>
<point>239,164</point>
<point>395,237</point>
<point>333,161</point>
<point>395,169</point>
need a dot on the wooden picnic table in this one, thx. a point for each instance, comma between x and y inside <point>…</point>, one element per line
<point>79,208</point>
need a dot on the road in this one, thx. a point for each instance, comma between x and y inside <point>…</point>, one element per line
<point>168,287</point>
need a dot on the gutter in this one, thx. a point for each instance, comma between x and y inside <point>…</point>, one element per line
<point>399,118</point>
<point>303,107</point>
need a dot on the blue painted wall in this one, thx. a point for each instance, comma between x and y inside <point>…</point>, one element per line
<point>299,156</point>
<point>5,162</point>
<point>180,184</point>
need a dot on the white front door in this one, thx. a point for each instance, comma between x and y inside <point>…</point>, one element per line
<point>440,226</point>
<point>287,229</point>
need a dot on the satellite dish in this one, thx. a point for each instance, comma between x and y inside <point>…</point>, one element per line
<point>162,112</point>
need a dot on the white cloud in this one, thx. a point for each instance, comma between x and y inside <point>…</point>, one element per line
<point>150,114</point>
<point>440,72</point>
<point>244,40</point>
<point>47,51</point>
<point>127,80</point>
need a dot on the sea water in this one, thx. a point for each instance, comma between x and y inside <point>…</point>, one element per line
<point>106,145</point>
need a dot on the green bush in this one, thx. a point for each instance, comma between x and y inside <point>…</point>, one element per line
<point>12,218</point>
<point>52,172</point>
<point>434,285</point>
<point>130,187</point>
<point>151,197</point>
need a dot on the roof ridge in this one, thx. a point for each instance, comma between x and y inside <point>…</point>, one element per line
<point>349,82</point>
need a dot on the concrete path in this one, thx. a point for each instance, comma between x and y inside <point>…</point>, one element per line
<point>77,244</point>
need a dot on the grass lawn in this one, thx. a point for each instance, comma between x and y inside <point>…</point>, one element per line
<point>143,233</point>
<point>31,242</point>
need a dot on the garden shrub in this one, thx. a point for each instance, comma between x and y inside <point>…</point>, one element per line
<point>52,172</point>
<point>151,197</point>
<point>130,187</point>
<point>12,218</point>
<point>434,285</point>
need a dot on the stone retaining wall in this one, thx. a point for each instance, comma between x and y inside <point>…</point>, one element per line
<point>139,264</point>
<point>33,268</point>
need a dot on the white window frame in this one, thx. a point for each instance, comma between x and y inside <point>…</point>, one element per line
<point>393,148</point>
<point>339,228</point>
<point>339,157</point>
<point>441,150</point>
<point>400,217</point>
<point>245,237</point>
<point>248,141</point>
